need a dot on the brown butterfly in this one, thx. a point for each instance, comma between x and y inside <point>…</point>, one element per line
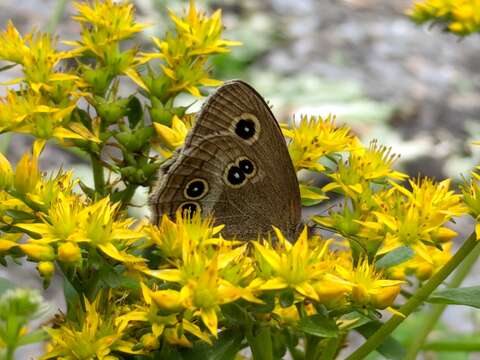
<point>234,166</point>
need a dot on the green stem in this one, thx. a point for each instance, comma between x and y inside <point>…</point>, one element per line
<point>57,16</point>
<point>260,341</point>
<point>331,348</point>
<point>312,347</point>
<point>437,309</point>
<point>417,299</point>
<point>98,175</point>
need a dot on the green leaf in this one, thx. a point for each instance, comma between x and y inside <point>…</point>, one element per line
<point>360,319</point>
<point>7,67</point>
<point>395,257</point>
<point>469,296</point>
<point>134,111</point>
<point>390,348</point>
<point>19,215</point>
<point>5,285</point>
<point>227,346</point>
<point>286,298</point>
<point>33,337</point>
<point>318,325</point>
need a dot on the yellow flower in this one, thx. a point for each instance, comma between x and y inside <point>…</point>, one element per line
<point>8,241</point>
<point>33,113</point>
<point>160,315</point>
<point>37,55</point>
<point>171,137</point>
<point>6,173</point>
<point>471,198</point>
<point>172,238</point>
<point>460,16</point>
<point>69,252</point>
<point>27,173</point>
<point>295,266</point>
<point>417,215</point>
<point>184,54</point>
<point>369,287</point>
<point>94,336</point>
<point>314,138</point>
<point>71,219</point>
<point>46,269</point>
<point>363,167</point>
<point>104,25</point>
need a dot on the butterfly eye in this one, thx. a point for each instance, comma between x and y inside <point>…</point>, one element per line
<point>247,127</point>
<point>246,166</point>
<point>234,176</point>
<point>196,189</point>
<point>189,208</point>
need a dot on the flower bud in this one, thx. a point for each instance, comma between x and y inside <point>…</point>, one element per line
<point>443,235</point>
<point>38,252</point>
<point>46,269</point>
<point>26,174</point>
<point>424,271</point>
<point>385,297</point>
<point>6,173</point>
<point>168,300</point>
<point>69,252</point>
<point>330,293</point>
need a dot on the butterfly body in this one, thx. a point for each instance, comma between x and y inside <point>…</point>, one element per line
<point>234,166</point>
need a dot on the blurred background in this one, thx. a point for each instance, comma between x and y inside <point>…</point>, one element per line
<point>413,88</point>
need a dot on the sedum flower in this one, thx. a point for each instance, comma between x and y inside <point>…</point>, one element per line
<point>171,238</point>
<point>104,25</point>
<point>202,34</point>
<point>410,217</point>
<point>294,266</point>
<point>363,167</point>
<point>94,336</point>
<point>314,138</point>
<point>69,252</point>
<point>71,219</point>
<point>37,55</point>
<point>27,173</point>
<point>6,173</point>
<point>369,286</point>
<point>159,310</point>
<point>471,198</point>
<point>171,137</point>
<point>185,52</point>
<point>460,17</point>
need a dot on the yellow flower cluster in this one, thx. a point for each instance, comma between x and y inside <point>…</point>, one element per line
<point>461,17</point>
<point>185,52</point>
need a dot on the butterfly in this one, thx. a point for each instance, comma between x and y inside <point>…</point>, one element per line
<point>234,166</point>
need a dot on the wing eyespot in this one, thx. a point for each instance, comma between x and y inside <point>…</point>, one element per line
<point>247,166</point>
<point>237,173</point>
<point>195,189</point>
<point>246,127</point>
<point>189,208</point>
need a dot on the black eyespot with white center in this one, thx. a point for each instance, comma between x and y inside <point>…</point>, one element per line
<point>196,189</point>
<point>235,176</point>
<point>189,209</point>
<point>245,128</point>
<point>246,166</point>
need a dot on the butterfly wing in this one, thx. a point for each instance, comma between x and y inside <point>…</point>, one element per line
<point>234,165</point>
